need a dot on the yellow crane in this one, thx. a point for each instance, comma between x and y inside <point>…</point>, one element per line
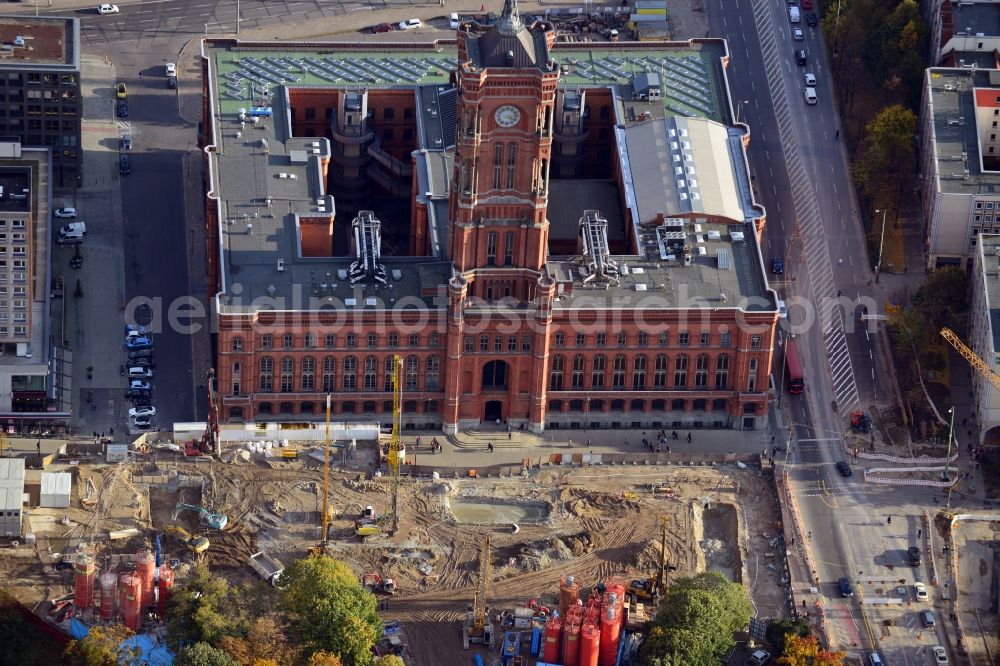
<point>478,628</point>
<point>971,356</point>
<point>326,483</point>
<point>397,408</point>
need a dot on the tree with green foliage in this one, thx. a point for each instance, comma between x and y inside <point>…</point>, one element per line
<point>203,610</point>
<point>202,654</point>
<point>328,609</point>
<point>888,150</point>
<point>695,627</point>
<point>390,660</point>
<point>264,641</point>
<point>943,298</point>
<point>778,631</point>
<point>102,646</point>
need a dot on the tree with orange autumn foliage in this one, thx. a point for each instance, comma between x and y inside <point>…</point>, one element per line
<point>806,651</point>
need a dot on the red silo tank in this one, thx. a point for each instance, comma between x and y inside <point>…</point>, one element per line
<point>571,645</point>
<point>553,636</point>
<point>569,593</point>
<point>590,639</point>
<point>145,569</point>
<point>130,600</point>
<point>166,582</point>
<point>610,633</point>
<point>109,588</point>
<point>86,571</point>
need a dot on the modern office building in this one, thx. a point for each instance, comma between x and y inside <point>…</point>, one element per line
<point>959,161</point>
<point>546,235</point>
<point>11,497</point>
<point>40,101</point>
<point>984,333</point>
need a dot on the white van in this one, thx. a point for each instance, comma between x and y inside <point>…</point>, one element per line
<point>139,372</point>
<point>810,95</point>
<point>793,14</point>
<point>72,233</point>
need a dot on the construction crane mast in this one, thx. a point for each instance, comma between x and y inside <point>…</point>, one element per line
<point>971,356</point>
<point>210,441</point>
<point>478,628</point>
<point>397,408</point>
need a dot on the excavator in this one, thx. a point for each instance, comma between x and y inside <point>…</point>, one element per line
<point>217,521</point>
<point>196,544</point>
<point>375,583</point>
<point>652,588</point>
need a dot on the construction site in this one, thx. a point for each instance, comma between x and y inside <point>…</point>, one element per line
<point>554,560</point>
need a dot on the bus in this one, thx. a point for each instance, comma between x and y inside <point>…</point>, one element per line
<point>793,368</point>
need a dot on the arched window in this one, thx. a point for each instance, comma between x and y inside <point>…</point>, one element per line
<point>390,367</point>
<point>681,372</point>
<point>660,371</point>
<point>639,372</point>
<point>618,374</point>
<point>701,371</point>
<point>237,344</point>
<point>719,405</point>
<point>752,376</point>
<point>266,381</point>
<point>371,373</point>
<point>287,373</point>
<point>677,405</point>
<point>412,365</point>
<point>700,405</point>
<point>722,372</point>
<point>410,406</point>
<point>329,372</point>
<point>308,378</point>
<point>431,407</point>
<point>235,413</point>
<point>369,406</point>
<point>237,371</point>
<point>347,407</point>
<point>432,375</point>
<point>555,405</point>
<point>596,405</point>
<point>576,405</point>
<point>638,406</point>
<point>556,374</point>
<point>350,373</point>
<point>287,408</point>
<point>511,164</point>
<point>264,409</point>
<point>597,371</point>
<point>307,407</point>
<point>618,405</point>
<point>659,405</point>
<point>577,378</point>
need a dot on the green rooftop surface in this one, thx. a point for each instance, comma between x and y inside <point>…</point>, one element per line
<point>691,78</point>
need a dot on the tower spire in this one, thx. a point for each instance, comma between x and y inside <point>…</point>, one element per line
<point>510,19</point>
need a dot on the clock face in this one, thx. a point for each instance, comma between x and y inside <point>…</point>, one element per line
<point>507,116</point>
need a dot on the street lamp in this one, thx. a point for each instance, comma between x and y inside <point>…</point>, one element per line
<point>947,457</point>
<point>739,104</point>
<point>237,17</point>
<point>881,244</point>
<point>783,341</point>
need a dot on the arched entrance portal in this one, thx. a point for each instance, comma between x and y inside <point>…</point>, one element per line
<point>493,411</point>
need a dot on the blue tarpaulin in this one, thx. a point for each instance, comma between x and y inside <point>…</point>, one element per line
<point>150,652</point>
<point>78,629</point>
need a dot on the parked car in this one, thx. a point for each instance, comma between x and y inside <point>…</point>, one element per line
<point>927,618</point>
<point>138,343</point>
<point>844,468</point>
<point>124,166</point>
<point>172,82</point>
<point>121,91</point>
<point>846,589</point>
<point>134,330</point>
<point>812,20</point>
<point>382,27</point>
<point>142,422</point>
<point>141,362</point>
<point>107,9</point>
<point>136,412</point>
<point>913,556</point>
<point>64,212</point>
<point>410,24</point>
<point>171,69</point>
<point>126,141</point>
<point>453,21</point>
<point>777,266</point>
<point>140,372</point>
<point>920,590</point>
<point>782,309</point>
<point>143,400</point>
<point>122,109</point>
<point>940,655</point>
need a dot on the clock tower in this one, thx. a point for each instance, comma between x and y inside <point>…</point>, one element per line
<point>506,83</point>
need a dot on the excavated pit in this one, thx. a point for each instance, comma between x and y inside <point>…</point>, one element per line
<point>490,512</point>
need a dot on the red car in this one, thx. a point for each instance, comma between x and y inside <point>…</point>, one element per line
<point>807,4</point>
<point>382,27</point>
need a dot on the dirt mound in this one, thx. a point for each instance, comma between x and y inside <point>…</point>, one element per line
<point>542,554</point>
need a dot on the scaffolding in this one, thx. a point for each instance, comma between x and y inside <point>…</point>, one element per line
<point>596,255</point>
<point>368,246</point>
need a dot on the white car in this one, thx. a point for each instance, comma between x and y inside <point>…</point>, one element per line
<point>171,69</point>
<point>453,21</point>
<point>410,24</point>
<point>142,412</point>
<point>920,590</point>
<point>940,655</point>
<point>798,35</point>
<point>64,212</point>
<point>810,79</point>
<point>142,422</point>
<point>107,9</point>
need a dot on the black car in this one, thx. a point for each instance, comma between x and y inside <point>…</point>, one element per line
<point>777,266</point>
<point>844,468</point>
<point>846,589</point>
<point>172,82</point>
<point>122,109</point>
<point>812,19</point>
<point>913,556</point>
<point>142,401</point>
<point>801,58</point>
<point>124,167</point>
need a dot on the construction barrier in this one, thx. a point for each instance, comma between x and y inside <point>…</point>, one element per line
<point>922,460</point>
